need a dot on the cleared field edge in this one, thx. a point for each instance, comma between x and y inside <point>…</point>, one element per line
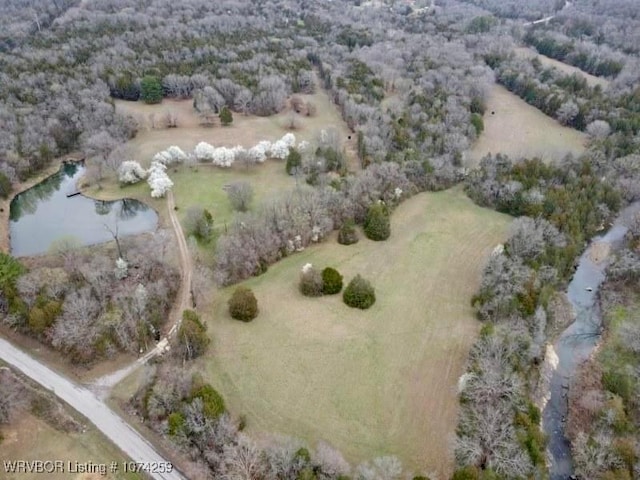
<point>370,383</point>
<point>246,130</point>
<point>592,80</point>
<point>515,128</point>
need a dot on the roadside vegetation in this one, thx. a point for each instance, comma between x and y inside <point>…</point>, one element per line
<point>34,425</point>
<point>90,304</point>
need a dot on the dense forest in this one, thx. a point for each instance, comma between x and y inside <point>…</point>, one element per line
<point>411,82</point>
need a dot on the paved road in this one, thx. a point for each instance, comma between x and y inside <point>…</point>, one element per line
<point>85,402</point>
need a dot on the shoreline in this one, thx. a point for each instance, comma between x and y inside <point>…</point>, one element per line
<point>18,188</point>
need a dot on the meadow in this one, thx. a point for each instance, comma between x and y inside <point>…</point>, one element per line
<point>31,438</point>
<point>380,382</point>
<point>517,129</point>
<point>246,130</point>
<point>374,382</point>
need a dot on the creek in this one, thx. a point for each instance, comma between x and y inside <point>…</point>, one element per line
<point>578,341</point>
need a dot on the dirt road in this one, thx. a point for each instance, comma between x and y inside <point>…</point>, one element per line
<point>86,403</point>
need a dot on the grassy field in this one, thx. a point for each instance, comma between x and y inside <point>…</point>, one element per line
<point>30,438</point>
<point>592,80</point>
<point>515,128</point>
<point>370,383</point>
<point>205,187</point>
<point>246,130</point>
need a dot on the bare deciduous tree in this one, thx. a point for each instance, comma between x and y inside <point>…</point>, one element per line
<point>240,195</point>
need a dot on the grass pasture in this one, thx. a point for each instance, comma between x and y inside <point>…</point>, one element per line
<point>246,130</point>
<point>517,129</point>
<point>370,383</point>
<point>206,186</point>
<point>30,438</point>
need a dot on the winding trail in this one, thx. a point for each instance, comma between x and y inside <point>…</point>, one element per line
<point>103,385</point>
<point>184,300</point>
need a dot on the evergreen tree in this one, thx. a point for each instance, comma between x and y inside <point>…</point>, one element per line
<point>359,293</point>
<point>294,160</point>
<point>225,116</point>
<point>377,225</point>
<point>151,89</point>
<point>5,186</point>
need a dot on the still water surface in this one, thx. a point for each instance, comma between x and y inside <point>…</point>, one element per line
<point>44,213</point>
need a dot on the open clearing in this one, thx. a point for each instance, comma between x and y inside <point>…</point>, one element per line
<point>592,80</point>
<point>205,187</point>
<point>370,383</point>
<point>515,128</point>
<point>30,438</point>
<point>246,130</point>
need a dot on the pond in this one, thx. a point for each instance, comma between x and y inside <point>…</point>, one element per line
<point>43,214</point>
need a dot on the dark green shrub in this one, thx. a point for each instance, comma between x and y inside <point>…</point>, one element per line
<point>620,383</point>
<point>359,293</point>
<point>10,270</point>
<point>477,122</point>
<point>199,223</point>
<point>226,118</point>
<point>377,225</point>
<point>294,160</point>
<point>212,401</point>
<point>477,105</point>
<point>192,337</point>
<point>303,454</point>
<point>5,186</point>
<point>176,423</point>
<point>466,473</point>
<point>420,477</point>
<point>43,314</point>
<point>311,283</point>
<point>331,281</point>
<point>243,304</point>
<point>307,473</point>
<point>151,89</point>
<point>348,235</point>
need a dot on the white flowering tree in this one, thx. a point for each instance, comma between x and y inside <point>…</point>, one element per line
<point>289,139</point>
<point>260,151</point>
<point>223,157</point>
<point>158,180</point>
<point>204,152</point>
<point>131,172</point>
<point>170,156</point>
<point>177,154</point>
<point>280,148</point>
